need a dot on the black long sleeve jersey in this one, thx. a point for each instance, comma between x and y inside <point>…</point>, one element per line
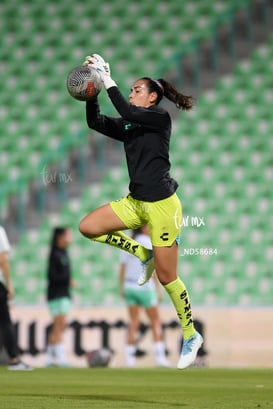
<point>145,133</point>
<point>58,274</point>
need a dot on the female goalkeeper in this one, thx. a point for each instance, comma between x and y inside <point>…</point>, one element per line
<point>144,128</point>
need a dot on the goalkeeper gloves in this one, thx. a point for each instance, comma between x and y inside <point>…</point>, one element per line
<point>102,67</point>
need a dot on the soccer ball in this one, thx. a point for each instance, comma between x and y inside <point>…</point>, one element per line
<point>83,83</point>
<point>98,357</point>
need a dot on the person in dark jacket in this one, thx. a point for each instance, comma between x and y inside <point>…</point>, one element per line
<point>58,294</point>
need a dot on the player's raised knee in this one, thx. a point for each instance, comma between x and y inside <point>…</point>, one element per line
<point>84,228</point>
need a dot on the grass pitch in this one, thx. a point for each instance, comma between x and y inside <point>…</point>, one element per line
<point>112,388</point>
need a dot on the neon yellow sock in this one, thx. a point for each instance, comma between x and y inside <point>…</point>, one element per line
<point>121,240</point>
<point>180,298</point>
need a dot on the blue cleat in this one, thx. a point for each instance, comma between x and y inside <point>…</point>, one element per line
<point>189,350</point>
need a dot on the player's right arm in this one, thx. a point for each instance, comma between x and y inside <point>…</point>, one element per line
<point>112,127</point>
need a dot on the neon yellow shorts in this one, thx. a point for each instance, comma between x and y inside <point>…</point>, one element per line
<point>164,217</point>
<point>59,306</point>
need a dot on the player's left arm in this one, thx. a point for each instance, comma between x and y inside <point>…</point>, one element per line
<point>150,117</point>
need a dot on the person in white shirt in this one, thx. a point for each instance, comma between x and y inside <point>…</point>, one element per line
<point>6,293</point>
<point>141,297</point>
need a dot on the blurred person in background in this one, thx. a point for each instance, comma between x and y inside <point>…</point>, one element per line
<point>144,128</point>
<point>59,283</point>
<point>6,294</point>
<point>138,298</point>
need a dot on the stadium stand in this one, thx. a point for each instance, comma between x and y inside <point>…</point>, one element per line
<point>220,152</point>
<point>46,42</point>
<point>221,157</point>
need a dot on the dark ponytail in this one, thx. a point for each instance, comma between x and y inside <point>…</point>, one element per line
<point>166,89</point>
<point>181,101</point>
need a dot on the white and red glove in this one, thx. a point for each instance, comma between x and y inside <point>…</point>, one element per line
<point>102,67</point>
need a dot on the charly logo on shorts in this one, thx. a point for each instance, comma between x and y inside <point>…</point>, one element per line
<point>164,236</point>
